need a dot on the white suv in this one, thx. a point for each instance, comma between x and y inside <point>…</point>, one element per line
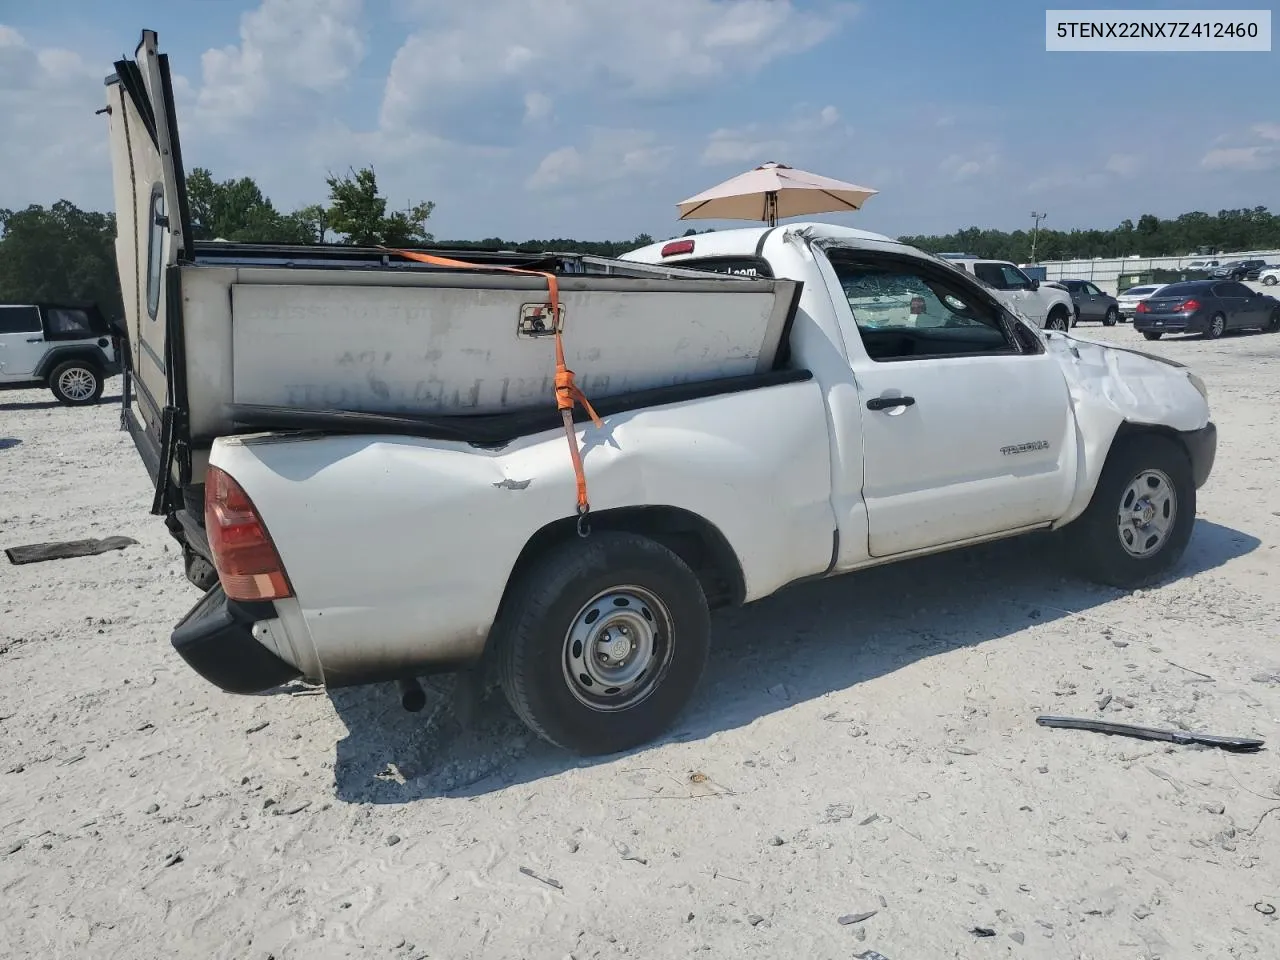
<point>1044,304</point>
<point>71,349</point>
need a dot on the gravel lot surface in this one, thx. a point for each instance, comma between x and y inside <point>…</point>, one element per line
<point>861,768</point>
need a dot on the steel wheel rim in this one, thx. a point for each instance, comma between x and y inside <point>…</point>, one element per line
<point>1147,514</point>
<point>76,383</point>
<point>617,648</point>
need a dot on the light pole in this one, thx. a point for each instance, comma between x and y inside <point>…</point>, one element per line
<point>1035,232</point>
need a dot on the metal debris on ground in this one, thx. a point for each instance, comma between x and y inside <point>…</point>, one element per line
<point>1183,737</point>
<point>39,552</point>
<point>983,932</point>
<point>549,881</point>
<point>850,918</point>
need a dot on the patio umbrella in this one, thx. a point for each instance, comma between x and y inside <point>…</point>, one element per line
<point>774,190</point>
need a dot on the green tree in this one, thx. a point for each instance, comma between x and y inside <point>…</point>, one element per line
<point>359,215</point>
<point>237,210</point>
<point>59,253</point>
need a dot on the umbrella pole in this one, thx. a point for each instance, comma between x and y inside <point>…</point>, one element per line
<point>771,207</point>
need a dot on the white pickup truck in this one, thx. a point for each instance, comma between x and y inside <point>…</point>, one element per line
<point>903,409</point>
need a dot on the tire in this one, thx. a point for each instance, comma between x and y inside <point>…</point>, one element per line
<point>1269,281</point>
<point>1075,317</point>
<point>1273,325</point>
<point>1108,544</point>
<point>553,625</point>
<point>1113,315</point>
<point>76,383</point>
<point>1217,327</point>
<point>1152,334</point>
<point>1058,320</point>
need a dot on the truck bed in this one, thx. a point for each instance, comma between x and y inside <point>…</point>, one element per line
<point>370,331</point>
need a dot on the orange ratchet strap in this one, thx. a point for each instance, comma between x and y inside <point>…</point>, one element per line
<point>567,391</point>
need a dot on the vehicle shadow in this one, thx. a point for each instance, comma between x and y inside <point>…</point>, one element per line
<point>50,404</point>
<point>812,639</point>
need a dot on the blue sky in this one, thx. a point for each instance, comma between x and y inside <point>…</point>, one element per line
<point>592,118</point>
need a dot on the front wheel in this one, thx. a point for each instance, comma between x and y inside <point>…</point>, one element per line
<point>1152,334</point>
<point>603,642</point>
<point>1269,281</point>
<point>1139,521</point>
<point>1113,315</point>
<point>76,383</point>
<point>1273,325</point>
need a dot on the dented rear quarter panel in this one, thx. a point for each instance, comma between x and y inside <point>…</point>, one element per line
<point>399,548</point>
<point>1110,386</point>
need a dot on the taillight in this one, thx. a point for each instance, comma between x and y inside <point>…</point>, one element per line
<point>244,556</point>
<point>1189,306</point>
<point>677,247</point>
<point>1141,308</point>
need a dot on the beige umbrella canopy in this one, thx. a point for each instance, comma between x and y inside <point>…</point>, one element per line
<point>774,190</point>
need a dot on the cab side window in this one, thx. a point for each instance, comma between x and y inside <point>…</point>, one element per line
<point>904,313</point>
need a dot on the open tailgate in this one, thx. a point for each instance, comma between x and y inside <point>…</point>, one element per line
<point>153,232</point>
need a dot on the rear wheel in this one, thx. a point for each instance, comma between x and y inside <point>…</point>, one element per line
<point>1139,521</point>
<point>1152,334</point>
<point>1270,281</point>
<point>1217,327</point>
<point>603,642</point>
<point>1113,315</point>
<point>76,383</point>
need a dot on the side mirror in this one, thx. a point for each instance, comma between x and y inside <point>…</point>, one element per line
<point>1035,285</point>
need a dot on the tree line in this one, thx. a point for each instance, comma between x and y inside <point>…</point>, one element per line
<point>61,252</point>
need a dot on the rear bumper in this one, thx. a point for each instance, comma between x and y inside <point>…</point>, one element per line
<point>1202,448</point>
<point>1167,324</point>
<point>216,640</point>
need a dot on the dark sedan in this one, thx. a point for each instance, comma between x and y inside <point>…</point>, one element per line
<point>1091,303</point>
<point>1239,270</point>
<point>1209,307</point>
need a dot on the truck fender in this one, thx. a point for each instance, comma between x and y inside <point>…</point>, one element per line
<point>86,352</point>
<point>695,539</point>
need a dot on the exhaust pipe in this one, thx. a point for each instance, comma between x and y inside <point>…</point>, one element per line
<point>412,697</point>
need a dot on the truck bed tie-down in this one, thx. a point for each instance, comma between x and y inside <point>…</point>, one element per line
<point>567,390</point>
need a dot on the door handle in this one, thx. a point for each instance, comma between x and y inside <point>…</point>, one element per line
<point>885,403</point>
<point>35,339</point>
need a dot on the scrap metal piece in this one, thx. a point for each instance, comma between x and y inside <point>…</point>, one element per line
<point>1184,737</point>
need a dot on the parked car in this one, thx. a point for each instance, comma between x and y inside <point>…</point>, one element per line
<point>1046,305</point>
<point>1200,266</point>
<point>1238,270</point>
<point>69,348</point>
<point>1208,307</point>
<point>1269,276</point>
<point>1128,300</point>
<point>1091,303</point>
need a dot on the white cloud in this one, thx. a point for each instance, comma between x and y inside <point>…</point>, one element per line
<point>53,146</point>
<point>1123,164</point>
<point>976,162</point>
<point>1256,150</point>
<point>1251,158</point>
<point>1267,131</point>
<point>537,106</point>
<point>758,142</point>
<point>742,147</point>
<point>608,156</point>
<point>493,49</point>
<point>287,49</point>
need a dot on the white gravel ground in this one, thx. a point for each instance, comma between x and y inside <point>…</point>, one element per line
<point>859,746</point>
